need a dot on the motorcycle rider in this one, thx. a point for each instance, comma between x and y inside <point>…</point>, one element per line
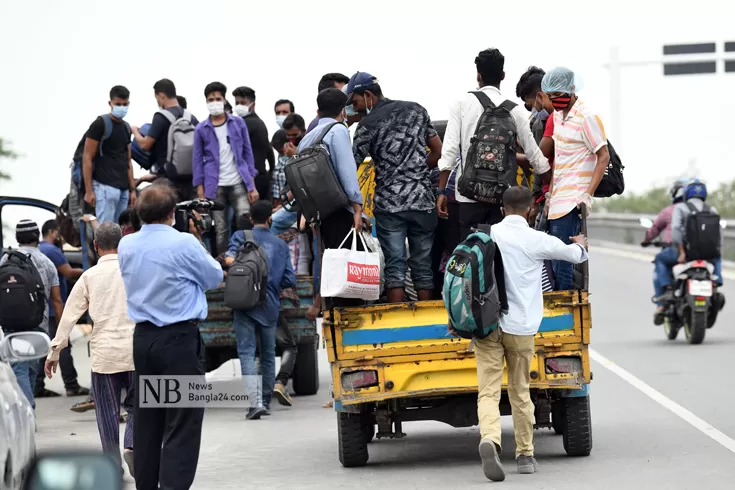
<point>662,227</point>
<point>695,194</point>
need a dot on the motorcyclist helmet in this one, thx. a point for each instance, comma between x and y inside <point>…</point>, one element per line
<point>695,188</point>
<point>677,190</point>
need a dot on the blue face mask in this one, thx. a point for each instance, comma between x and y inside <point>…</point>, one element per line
<point>544,114</point>
<point>350,111</point>
<point>119,111</point>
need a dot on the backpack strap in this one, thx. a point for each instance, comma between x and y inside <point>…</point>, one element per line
<point>187,115</point>
<point>170,139</point>
<point>168,115</point>
<point>324,134</point>
<point>107,120</point>
<point>484,100</point>
<point>508,105</point>
<point>692,208</point>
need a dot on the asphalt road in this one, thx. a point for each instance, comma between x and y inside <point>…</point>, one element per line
<point>639,443</point>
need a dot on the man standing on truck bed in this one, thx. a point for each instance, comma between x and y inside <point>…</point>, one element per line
<point>523,250</point>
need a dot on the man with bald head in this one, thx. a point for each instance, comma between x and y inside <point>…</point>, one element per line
<point>523,250</point>
<point>166,274</point>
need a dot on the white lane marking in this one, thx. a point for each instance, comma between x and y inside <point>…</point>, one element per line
<point>653,394</point>
<point>644,257</point>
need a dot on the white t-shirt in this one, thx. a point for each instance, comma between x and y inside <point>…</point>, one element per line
<point>228,174</point>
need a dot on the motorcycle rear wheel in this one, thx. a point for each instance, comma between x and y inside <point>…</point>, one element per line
<point>670,329</point>
<point>696,327</point>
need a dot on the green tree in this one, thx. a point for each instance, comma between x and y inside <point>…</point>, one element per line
<point>5,152</point>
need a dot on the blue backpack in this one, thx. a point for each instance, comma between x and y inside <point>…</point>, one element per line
<point>474,295</point>
<point>76,169</point>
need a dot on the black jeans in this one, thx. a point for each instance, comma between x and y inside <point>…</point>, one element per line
<point>167,440</point>
<point>66,364</point>
<point>289,351</point>
<point>473,214</point>
<point>263,186</point>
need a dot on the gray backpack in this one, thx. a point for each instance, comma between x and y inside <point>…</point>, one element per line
<point>247,279</point>
<point>180,144</point>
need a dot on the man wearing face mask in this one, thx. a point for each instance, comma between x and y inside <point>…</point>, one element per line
<point>581,160</point>
<point>166,274</point>
<point>222,162</point>
<point>107,167</point>
<point>51,247</point>
<point>396,134</point>
<point>156,139</point>
<point>283,108</point>
<point>262,151</point>
<point>542,127</point>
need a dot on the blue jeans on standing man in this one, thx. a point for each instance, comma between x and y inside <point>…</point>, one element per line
<point>251,334</point>
<point>111,202</point>
<point>25,373</point>
<point>392,230</point>
<point>563,228</point>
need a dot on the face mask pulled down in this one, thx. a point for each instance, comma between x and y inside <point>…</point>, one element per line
<point>216,108</point>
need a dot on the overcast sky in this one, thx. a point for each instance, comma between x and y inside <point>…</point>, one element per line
<point>59,60</point>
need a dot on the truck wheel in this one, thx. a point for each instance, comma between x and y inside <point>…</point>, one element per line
<point>353,449</point>
<point>557,417</point>
<point>670,329</point>
<point>696,327</point>
<point>578,426</point>
<point>306,370</point>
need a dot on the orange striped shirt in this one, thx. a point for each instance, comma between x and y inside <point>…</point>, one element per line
<point>577,139</point>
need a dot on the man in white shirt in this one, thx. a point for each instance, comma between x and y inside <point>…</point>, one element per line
<point>523,250</point>
<point>461,127</point>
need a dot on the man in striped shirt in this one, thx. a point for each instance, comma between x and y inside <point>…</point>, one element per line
<point>581,157</point>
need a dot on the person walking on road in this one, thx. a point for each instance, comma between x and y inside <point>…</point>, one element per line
<point>101,291</point>
<point>165,275</point>
<point>523,250</point>
<point>257,326</point>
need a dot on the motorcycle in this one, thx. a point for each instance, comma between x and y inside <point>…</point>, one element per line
<point>694,301</point>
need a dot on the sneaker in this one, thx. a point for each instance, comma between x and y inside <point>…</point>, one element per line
<point>255,413</point>
<point>491,465</point>
<point>45,393</point>
<point>84,406</point>
<point>283,397</point>
<point>527,465</point>
<point>658,318</point>
<point>128,457</point>
<point>78,391</point>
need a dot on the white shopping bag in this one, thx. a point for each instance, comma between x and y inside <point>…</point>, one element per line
<point>347,273</point>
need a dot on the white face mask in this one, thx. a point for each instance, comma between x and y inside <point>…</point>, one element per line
<point>279,121</point>
<point>216,108</point>
<point>242,110</point>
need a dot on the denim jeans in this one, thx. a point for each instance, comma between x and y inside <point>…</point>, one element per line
<point>111,202</point>
<point>250,334</point>
<point>418,227</point>
<point>235,196</point>
<point>563,228</point>
<point>282,221</point>
<point>25,373</point>
<point>668,258</point>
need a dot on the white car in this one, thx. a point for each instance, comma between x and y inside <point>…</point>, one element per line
<point>17,420</point>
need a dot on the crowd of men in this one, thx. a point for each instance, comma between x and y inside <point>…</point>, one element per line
<point>145,295</point>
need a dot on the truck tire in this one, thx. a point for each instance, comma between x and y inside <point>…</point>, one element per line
<point>696,327</point>
<point>353,449</point>
<point>578,426</point>
<point>557,417</point>
<point>306,371</point>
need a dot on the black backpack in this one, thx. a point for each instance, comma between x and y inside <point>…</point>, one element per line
<point>22,294</point>
<point>612,182</point>
<point>703,234</point>
<point>313,182</point>
<point>246,285</point>
<point>491,167</point>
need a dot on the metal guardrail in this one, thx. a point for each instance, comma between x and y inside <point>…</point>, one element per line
<point>626,229</point>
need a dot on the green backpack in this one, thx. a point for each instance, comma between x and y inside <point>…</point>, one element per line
<point>471,294</point>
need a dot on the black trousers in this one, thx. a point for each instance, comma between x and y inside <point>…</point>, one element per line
<point>66,364</point>
<point>473,214</point>
<point>167,440</point>
<point>263,185</point>
<point>289,351</point>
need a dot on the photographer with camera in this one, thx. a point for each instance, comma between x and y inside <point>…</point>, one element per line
<point>166,274</point>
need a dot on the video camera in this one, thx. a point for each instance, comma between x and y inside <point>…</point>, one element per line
<point>185,212</point>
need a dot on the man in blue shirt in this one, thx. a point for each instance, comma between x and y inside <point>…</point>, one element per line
<point>331,103</point>
<point>51,248</point>
<point>166,274</point>
<point>260,322</point>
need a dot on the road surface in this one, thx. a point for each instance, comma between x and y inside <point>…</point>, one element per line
<point>639,442</point>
